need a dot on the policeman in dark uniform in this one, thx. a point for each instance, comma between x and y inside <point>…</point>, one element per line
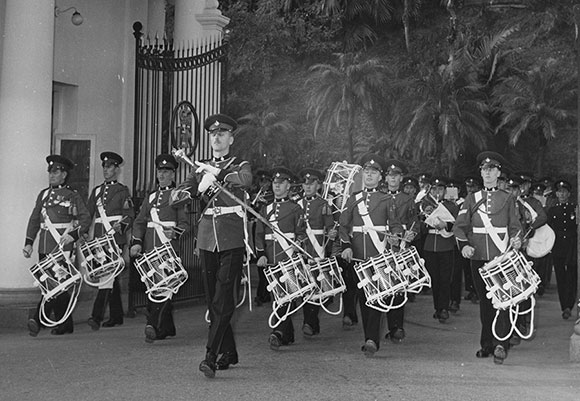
<point>406,214</point>
<point>157,223</point>
<point>111,208</point>
<point>487,223</point>
<point>319,226</point>
<point>368,216</point>
<point>562,218</point>
<point>439,246</point>
<point>410,186</point>
<point>273,248</point>
<point>61,217</point>
<point>222,237</point>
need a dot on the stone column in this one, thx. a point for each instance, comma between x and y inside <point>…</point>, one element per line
<point>155,18</point>
<point>195,19</point>
<point>25,125</point>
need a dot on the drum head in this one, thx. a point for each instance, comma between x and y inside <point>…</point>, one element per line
<point>542,242</point>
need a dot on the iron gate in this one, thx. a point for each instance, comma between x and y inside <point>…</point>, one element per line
<point>175,90</point>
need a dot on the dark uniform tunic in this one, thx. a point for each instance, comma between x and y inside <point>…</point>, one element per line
<point>499,207</point>
<point>289,218</point>
<point>355,234</point>
<point>562,219</point>
<point>318,218</point>
<point>64,208</point>
<point>145,234</point>
<point>117,204</point>
<point>438,251</point>
<point>221,240</point>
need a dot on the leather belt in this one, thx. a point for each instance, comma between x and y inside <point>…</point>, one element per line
<point>483,230</point>
<point>221,210</point>
<point>110,218</point>
<point>271,237</point>
<point>58,226</point>
<point>365,229</point>
<point>151,224</point>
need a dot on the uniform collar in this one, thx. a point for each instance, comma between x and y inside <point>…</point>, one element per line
<point>395,192</point>
<point>490,189</point>
<point>310,198</point>
<point>170,186</point>
<point>220,159</point>
<point>111,182</point>
<point>375,189</point>
<point>280,200</point>
<point>58,186</point>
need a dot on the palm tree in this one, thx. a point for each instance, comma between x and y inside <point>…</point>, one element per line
<point>262,138</point>
<point>443,115</point>
<point>340,93</point>
<point>536,104</point>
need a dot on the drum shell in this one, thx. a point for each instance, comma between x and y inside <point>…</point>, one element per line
<point>328,278</point>
<point>100,258</point>
<point>289,279</point>
<point>55,274</point>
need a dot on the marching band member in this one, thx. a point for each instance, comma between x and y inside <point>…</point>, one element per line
<point>369,215</point>
<point>562,218</point>
<point>222,238</point>
<point>272,248</point>
<point>472,185</point>
<point>407,216</point>
<point>454,195</point>
<point>61,217</point>
<point>439,245</point>
<point>532,216</point>
<point>319,226</point>
<point>111,208</point>
<point>261,199</point>
<point>486,225</point>
<point>158,222</point>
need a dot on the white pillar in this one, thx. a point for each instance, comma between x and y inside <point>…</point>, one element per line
<point>25,124</point>
<point>155,19</point>
<point>186,28</point>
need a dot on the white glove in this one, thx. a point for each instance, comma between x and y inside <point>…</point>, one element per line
<point>207,168</point>
<point>135,250</point>
<point>206,182</point>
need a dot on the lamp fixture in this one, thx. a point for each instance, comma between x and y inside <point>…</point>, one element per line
<point>76,18</point>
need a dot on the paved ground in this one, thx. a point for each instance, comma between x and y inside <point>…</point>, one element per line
<point>435,362</point>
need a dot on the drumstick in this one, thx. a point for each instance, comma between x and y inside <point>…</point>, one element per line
<point>112,229</point>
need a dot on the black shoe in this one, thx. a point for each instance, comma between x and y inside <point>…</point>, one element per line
<point>95,325</point>
<point>113,323</point>
<point>443,316</point>
<point>484,353</point>
<point>275,341</point>
<point>499,354</point>
<point>59,330</point>
<point>150,334</point>
<point>307,330</point>
<point>369,348</point>
<point>227,359</point>
<point>515,340</point>
<point>208,365</point>
<point>566,314</point>
<point>454,307</point>
<point>33,327</point>
<point>347,323</point>
<point>396,335</point>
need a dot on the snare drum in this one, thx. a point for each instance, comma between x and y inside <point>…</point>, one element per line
<point>288,280</point>
<point>341,181</point>
<point>101,260</point>
<point>380,279</point>
<point>55,274</point>
<point>162,272</point>
<point>509,279</point>
<point>328,279</point>
<point>412,267</point>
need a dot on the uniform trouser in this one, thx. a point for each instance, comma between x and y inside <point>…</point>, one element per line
<point>221,276</point>
<point>395,317</point>
<point>465,265</point>
<point>567,281</point>
<point>440,266</point>
<point>540,266</point>
<point>350,295</point>
<point>371,320</point>
<point>261,292</point>
<point>57,305</point>
<point>113,298</point>
<point>456,277</point>
<point>286,327</point>
<point>160,316</point>
<point>487,312</point>
<point>311,316</point>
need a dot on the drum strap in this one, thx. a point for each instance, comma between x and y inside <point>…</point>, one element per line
<point>102,214</point>
<point>158,227</point>
<point>279,238</point>
<point>312,236</point>
<point>364,214</point>
<point>51,227</point>
<point>533,213</point>
<point>492,231</point>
